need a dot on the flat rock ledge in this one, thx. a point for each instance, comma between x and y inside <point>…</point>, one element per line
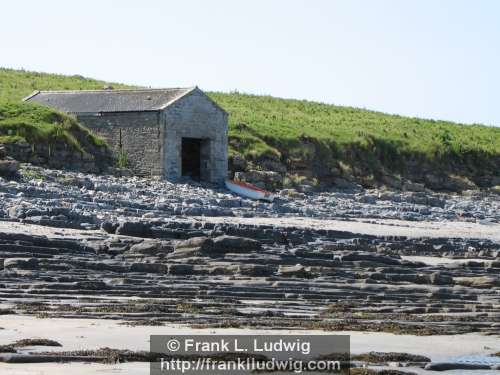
<point>231,275</point>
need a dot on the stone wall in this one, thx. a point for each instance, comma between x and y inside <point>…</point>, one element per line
<point>151,141</point>
<point>196,116</point>
<point>60,156</point>
<point>139,133</point>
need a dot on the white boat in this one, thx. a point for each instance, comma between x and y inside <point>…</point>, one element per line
<point>248,190</point>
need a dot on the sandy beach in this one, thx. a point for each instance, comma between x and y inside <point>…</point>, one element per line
<point>77,334</point>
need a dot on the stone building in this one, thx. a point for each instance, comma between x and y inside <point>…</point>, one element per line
<point>167,133</point>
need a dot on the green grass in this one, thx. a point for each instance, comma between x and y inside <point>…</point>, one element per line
<point>36,125</point>
<point>284,123</point>
<point>264,126</point>
<point>17,84</point>
<point>297,133</point>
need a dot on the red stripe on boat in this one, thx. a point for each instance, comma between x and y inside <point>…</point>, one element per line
<point>249,186</point>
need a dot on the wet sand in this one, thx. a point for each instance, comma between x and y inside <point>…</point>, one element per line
<point>134,368</point>
<point>377,227</point>
<point>83,334</point>
<point>433,261</point>
<point>75,334</point>
<point>41,230</point>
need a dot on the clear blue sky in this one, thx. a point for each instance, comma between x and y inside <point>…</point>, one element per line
<point>428,58</point>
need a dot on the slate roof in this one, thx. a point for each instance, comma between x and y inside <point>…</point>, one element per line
<point>95,101</point>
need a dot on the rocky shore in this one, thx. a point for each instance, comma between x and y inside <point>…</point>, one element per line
<point>61,198</point>
<point>244,276</point>
<point>151,253</point>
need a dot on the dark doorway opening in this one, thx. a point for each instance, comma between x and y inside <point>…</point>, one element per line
<point>191,157</point>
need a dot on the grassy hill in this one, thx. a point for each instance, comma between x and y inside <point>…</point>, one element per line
<point>17,84</point>
<point>21,121</point>
<point>34,124</point>
<point>325,140</point>
<point>320,143</point>
<point>40,135</point>
<point>45,130</point>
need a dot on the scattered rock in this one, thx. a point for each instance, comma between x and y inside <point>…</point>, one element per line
<point>478,281</point>
<point>444,366</point>
<point>231,274</point>
<point>21,263</point>
<point>180,269</point>
<point>344,184</point>
<point>35,342</point>
<point>438,278</point>
<point>381,357</point>
<point>264,179</point>
<point>146,248</point>
<point>149,268</point>
<point>237,162</point>
<point>134,228</point>
<point>8,167</point>
<point>233,244</point>
<point>295,271</point>
<point>193,246</point>
<point>217,245</point>
<point>368,371</point>
<point>7,349</point>
<point>91,285</point>
<point>355,256</point>
<point>256,270</point>
<point>109,227</point>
